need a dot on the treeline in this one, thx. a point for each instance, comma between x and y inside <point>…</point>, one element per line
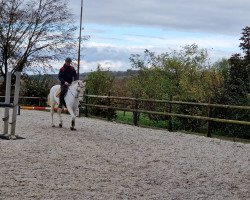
<point>184,75</point>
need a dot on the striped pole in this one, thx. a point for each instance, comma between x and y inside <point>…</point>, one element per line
<point>39,108</point>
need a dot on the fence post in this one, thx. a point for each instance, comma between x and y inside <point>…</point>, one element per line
<point>108,104</point>
<point>209,125</point>
<point>170,124</point>
<point>135,113</point>
<point>86,102</point>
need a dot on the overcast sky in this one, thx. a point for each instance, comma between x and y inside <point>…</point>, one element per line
<point>118,28</point>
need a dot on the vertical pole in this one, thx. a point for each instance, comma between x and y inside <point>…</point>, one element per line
<point>86,102</point>
<point>79,45</point>
<point>15,102</point>
<point>109,109</point>
<point>135,113</point>
<point>7,100</point>
<point>170,124</point>
<point>209,126</point>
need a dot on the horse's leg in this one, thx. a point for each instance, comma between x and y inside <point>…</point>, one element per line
<point>52,114</point>
<point>73,117</point>
<point>77,110</point>
<point>59,111</point>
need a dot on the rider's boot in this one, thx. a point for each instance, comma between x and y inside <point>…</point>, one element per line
<point>61,101</point>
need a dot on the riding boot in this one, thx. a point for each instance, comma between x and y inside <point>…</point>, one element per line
<point>60,101</point>
<point>64,89</point>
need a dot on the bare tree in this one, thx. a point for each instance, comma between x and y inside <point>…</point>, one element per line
<point>34,32</point>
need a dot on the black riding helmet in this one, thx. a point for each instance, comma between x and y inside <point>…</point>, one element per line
<point>68,60</point>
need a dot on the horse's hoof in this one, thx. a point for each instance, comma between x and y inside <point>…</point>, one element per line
<point>60,125</point>
<point>72,129</point>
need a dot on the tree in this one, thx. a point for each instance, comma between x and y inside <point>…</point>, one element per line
<point>179,75</point>
<point>245,41</point>
<point>32,33</point>
<point>234,92</point>
<point>100,82</point>
<point>245,46</point>
<point>236,85</point>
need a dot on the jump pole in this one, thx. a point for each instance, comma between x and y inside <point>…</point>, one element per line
<point>40,108</point>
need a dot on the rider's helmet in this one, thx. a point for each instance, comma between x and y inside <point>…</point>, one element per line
<point>68,60</point>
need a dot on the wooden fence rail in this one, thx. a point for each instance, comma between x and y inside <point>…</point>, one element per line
<point>135,109</point>
<point>40,100</point>
<point>134,102</point>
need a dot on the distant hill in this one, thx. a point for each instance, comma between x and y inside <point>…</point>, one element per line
<point>117,74</point>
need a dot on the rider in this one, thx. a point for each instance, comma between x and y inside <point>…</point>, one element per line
<point>67,75</point>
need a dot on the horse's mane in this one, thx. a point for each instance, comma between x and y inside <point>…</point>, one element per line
<point>75,82</point>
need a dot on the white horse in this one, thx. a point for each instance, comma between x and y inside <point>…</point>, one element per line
<point>74,95</point>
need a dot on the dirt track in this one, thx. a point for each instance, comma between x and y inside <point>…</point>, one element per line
<point>105,160</point>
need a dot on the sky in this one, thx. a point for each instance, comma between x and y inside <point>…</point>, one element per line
<point>119,28</point>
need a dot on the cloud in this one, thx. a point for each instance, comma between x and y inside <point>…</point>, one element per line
<point>118,29</point>
<point>105,64</point>
<point>220,16</point>
<point>116,56</point>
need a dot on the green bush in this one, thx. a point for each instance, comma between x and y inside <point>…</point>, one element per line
<point>36,86</point>
<point>100,82</point>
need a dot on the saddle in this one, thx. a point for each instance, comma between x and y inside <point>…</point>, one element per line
<point>58,92</point>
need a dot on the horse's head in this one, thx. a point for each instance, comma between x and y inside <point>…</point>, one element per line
<point>81,86</point>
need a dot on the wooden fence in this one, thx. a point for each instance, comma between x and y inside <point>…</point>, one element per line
<point>40,101</point>
<point>134,102</point>
<point>135,109</point>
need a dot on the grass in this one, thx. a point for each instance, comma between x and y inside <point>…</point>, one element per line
<point>144,121</point>
<point>127,118</point>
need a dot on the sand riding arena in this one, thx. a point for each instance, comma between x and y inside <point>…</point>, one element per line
<point>106,160</point>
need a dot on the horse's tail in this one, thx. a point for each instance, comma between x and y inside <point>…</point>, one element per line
<point>48,100</point>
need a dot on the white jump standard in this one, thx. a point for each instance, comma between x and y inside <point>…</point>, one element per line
<point>7,105</point>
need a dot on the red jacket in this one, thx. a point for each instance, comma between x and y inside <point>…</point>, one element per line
<point>67,74</point>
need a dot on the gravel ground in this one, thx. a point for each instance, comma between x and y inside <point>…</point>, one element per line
<point>106,160</point>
